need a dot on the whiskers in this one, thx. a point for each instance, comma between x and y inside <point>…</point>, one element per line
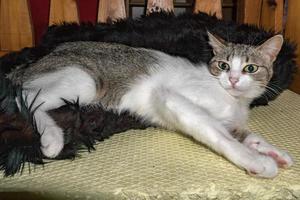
<point>275,84</point>
<point>271,90</point>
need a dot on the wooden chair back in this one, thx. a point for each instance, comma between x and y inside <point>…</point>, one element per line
<point>23,22</point>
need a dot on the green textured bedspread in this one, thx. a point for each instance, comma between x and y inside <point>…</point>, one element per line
<point>159,164</point>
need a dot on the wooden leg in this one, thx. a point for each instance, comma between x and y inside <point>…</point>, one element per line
<point>63,11</point>
<point>212,7</point>
<point>111,10</point>
<point>160,5</point>
<point>15,26</point>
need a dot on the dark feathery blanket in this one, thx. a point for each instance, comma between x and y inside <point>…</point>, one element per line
<point>184,35</point>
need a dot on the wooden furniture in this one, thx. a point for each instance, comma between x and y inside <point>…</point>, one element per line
<point>279,15</point>
<point>293,33</point>
<point>211,7</point>
<point>264,13</point>
<point>111,9</point>
<point>22,22</point>
<point>15,25</point>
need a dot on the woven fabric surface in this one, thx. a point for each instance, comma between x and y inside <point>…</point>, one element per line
<point>159,164</point>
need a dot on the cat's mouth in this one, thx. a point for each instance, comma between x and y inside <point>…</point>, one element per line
<point>245,93</point>
<point>235,91</point>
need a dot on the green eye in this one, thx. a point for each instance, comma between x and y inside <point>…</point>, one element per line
<point>223,66</point>
<point>250,68</point>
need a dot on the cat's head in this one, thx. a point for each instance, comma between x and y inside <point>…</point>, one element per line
<point>244,70</point>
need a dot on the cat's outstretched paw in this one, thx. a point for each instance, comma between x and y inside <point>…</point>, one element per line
<point>263,167</point>
<point>52,141</point>
<point>282,158</point>
<point>256,164</point>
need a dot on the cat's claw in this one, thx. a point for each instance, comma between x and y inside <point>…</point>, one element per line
<point>282,158</point>
<point>52,142</point>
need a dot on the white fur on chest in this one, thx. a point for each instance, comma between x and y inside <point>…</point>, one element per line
<point>208,94</point>
<point>195,84</point>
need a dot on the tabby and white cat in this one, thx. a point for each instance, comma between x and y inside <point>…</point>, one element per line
<point>209,103</point>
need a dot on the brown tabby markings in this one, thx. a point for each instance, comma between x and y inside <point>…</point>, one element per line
<point>248,55</point>
<point>113,67</point>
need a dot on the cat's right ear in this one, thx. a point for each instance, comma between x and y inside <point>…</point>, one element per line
<point>271,47</point>
<point>216,43</point>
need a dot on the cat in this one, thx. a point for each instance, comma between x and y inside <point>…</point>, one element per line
<point>207,102</point>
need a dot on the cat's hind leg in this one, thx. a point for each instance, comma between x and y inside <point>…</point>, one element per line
<point>70,83</point>
<point>179,113</point>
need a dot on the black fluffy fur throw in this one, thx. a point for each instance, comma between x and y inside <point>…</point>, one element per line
<point>184,35</point>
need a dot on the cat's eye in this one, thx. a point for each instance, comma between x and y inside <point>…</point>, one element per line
<point>250,68</point>
<point>223,66</point>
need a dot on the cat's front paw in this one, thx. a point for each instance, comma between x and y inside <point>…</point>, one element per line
<point>282,158</point>
<point>255,163</point>
<point>52,141</point>
<point>263,167</point>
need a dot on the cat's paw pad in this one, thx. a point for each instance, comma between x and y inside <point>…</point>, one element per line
<point>52,142</point>
<point>283,159</point>
<point>264,167</point>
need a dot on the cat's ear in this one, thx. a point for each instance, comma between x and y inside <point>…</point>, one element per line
<point>217,43</point>
<point>271,47</point>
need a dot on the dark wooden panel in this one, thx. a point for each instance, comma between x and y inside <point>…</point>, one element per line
<point>63,11</point>
<point>261,13</point>
<point>293,33</point>
<point>15,25</point>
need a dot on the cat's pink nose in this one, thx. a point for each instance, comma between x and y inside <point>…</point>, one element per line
<point>233,81</point>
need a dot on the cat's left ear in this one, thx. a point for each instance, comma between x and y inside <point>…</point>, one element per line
<point>217,43</point>
<point>271,47</point>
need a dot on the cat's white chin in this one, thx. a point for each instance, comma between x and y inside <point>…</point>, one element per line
<point>249,94</point>
<point>235,92</point>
